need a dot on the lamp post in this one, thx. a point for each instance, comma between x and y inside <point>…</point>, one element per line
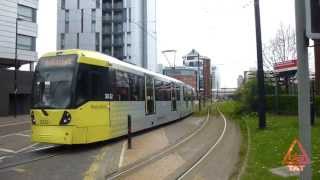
<point>260,73</point>
<point>198,83</point>
<point>15,88</point>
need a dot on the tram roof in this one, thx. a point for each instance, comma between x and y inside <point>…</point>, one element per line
<point>111,60</point>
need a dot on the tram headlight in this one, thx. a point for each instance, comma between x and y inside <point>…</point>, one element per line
<point>66,118</point>
<point>33,120</point>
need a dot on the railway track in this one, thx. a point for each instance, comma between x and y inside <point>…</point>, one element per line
<point>126,171</point>
<point>198,162</point>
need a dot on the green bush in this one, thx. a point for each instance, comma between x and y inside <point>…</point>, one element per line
<point>317,105</point>
<point>247,101</point>
<point>286,104</point>
<point>247,97</point>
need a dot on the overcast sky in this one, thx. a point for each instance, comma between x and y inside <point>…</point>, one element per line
<point>223,30</point>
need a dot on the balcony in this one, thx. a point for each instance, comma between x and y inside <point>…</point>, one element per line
<point>118,29</point>
<point>119,18</point>
<point>107,30</point>
<point>118,5</point>
<point>106,18</point>
<point>106,42</point>
<point>107,6</point>
<point>118,42</point>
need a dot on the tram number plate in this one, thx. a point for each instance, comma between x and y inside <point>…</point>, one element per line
<point>108,96</point>
<point>44,122</point>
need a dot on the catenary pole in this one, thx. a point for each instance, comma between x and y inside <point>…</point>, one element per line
<point>303,84</point>
<point>260,73</point>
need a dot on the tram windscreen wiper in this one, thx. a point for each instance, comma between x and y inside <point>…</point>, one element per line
<point>44,111</point>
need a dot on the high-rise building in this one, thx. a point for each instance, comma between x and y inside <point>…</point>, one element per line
<point>125,29</point>
<point>18,32</point>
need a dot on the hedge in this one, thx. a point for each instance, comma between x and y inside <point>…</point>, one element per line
<point>287,104</point>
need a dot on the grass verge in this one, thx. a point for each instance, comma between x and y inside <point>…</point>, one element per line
<point>268,147</point>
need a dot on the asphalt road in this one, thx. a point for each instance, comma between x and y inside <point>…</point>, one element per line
<point>10,125</point>
<point>22,159</point>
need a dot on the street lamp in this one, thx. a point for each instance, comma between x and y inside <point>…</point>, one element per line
<point>198,82</point>
<point>15,69</point>
<point>260,73</point>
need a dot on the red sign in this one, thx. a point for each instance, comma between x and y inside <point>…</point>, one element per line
<point>296,158</point>
<point>290,65</point>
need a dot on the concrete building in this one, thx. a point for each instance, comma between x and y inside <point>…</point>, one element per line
<point>125,29</point>
<point>240,81</point>
<point>182,73</point>
<point>18,32</point>
<point>248,75</point>
<point>22,13</point>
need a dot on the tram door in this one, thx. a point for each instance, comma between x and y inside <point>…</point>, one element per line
<point>173,97</point>
<point>150,96</point>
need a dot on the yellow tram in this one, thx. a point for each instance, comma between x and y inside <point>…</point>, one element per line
<point>82,97</point>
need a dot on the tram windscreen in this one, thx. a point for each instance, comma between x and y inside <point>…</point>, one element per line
<point>52,84</point>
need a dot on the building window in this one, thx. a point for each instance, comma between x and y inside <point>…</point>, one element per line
<point>82,20</point>
<point>67,26</point>
<point>78,40</point>
<point>62,41</point>
<point>97,41</point>
<point>93,14</point>
<point>78,4</point>
<point>93,26</point>
<point>130,15</point>
<point>63,4</point>
<point>26,43</point>
<point>67,18</point>
<point>93,20</point>
<point>98,3</point>
<point>27,13</point>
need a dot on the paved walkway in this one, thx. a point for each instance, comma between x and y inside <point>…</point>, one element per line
<point>10,125</point>
<point>220,164</point>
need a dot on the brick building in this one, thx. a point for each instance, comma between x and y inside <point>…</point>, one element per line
<point>184,74</point>
<point>196,72</point>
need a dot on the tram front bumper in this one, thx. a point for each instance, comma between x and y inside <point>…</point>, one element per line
<point>58,134</point>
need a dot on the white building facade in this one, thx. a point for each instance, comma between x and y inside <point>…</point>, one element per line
<point>125,29</point>
<point>18,31</point>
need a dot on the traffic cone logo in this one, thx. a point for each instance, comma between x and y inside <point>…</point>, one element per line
<point>296,158</point>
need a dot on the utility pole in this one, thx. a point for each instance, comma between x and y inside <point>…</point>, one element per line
<point>198,82</point>
<point>303,84</point>
<point>15,88</point>
<point>260,73</point>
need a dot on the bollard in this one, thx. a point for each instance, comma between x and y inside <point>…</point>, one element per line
<point>129,132</point>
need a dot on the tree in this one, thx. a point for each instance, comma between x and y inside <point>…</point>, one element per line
<point>281,48</point>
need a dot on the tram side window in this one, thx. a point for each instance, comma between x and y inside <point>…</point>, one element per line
<point>136,87</point>
<point>160,91</point>
<point>178,92</point>
<point>120,86</point>
<point>150,95</point>
<point>184,93</point>
<point>92,83</point>
<point>167,91</point>
<point>97,90</point>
